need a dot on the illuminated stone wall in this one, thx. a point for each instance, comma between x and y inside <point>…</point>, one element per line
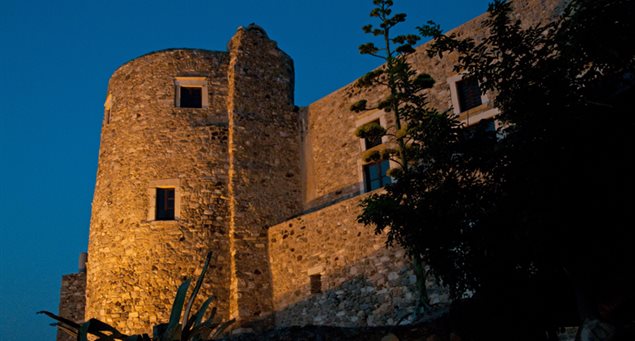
<point>235,168</point>
<point>136,263</point>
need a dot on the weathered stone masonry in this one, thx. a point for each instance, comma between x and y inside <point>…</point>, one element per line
<point>72,300</point>
<point>362,281</point>
<point>136,262</point>
<point>264,164</point>
<point>271,189</point>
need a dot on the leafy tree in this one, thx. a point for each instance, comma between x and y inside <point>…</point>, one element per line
<point>428,146</point>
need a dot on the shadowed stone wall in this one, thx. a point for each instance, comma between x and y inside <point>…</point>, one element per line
<point>72,301</point>
<point>264,160</point>
<point>362,281</point>
<point>332,152</point>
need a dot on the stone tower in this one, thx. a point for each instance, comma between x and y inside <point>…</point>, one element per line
<point>199,151</point>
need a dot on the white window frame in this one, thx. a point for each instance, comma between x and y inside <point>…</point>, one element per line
<point>191,82</point>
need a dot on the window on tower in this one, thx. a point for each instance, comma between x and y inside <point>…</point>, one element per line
<point>191,92</point>
<point>191,97</point>
<point>164,204</point>
<point>164,200</point>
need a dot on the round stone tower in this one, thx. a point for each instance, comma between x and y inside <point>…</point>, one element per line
<point>196,147</point>
<point>161,198</point>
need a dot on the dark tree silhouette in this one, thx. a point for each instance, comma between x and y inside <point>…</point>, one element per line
<point>558,231</point>
<point>538,225</point>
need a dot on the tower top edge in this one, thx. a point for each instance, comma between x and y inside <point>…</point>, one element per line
<point>171,50</point>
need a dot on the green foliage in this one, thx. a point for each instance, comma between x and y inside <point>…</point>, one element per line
<point>370,131</point>
<point>379,154</point>
<point>372,155</point>
<point>369,79</point>
<point>359,106</point>
<point>193,328</point>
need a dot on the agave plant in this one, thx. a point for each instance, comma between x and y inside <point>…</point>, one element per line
<point>189,328</point>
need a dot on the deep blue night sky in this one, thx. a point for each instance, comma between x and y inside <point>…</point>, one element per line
<point>55,61</point>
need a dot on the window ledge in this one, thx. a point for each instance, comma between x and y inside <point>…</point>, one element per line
<point>476,114</point>
<point>181,110</point>
<point>162,223</point>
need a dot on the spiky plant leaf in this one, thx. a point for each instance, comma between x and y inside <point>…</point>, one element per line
<point>195,320</point>
<point>197,287</point>
<point>216,332</point>
<point>83,332</point>
<point>66,329</point>
<point>173,329</point>
<point>72,325</point>
<point>201,312</point>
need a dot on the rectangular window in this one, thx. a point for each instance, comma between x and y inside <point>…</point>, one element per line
<point>375,175</point>
<point>164,204</point>
<point>469,94</point>
<point>191,92</point>
<point>191,97</point>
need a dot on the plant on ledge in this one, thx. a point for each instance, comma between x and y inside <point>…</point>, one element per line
<point>190,328</point>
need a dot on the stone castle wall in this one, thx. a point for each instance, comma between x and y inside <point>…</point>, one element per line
<point>72,301</point>
<point>362,281</point>
<point>136,263</point>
